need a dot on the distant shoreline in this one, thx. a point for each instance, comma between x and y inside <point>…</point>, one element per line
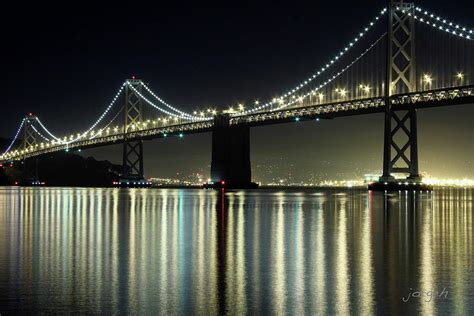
<point>260,188</point>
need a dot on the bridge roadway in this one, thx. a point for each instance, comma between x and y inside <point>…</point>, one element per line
<point>422,99</point>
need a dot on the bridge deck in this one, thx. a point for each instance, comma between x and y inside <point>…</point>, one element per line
<point>423,99</point>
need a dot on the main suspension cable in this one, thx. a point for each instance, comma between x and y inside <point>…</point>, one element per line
<point>182,113</point>
<point>83,134</point>
<point>331,62</point>
<point>161,109</point>
<point>14,138</point>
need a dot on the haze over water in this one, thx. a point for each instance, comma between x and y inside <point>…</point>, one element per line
<point>264,251</point>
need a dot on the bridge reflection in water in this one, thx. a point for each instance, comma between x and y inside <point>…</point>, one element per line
<point>177,251</point>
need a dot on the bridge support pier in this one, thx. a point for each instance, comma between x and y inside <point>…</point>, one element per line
<point>230,167</point>
<point>400,152</point>
<point>29,172</point>
<point>403,138</point>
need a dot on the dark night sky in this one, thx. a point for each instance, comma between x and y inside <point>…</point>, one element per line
<point>64,63</point>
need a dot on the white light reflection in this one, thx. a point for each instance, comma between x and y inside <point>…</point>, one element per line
<point>319,259</point>
<point>342,277</point>
<point>365,274</point>
<point>298,301</point>
<point>427,271</point>
<point>278,273</point>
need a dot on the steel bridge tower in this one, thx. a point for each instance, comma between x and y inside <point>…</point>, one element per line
<point>132,162</point>
<point>400,134</point>
<point>30,141</point>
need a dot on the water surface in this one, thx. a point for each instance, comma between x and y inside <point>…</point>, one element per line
<point>265,251</point>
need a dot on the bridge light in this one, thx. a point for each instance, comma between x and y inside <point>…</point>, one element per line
<point>427,78</point>
<point>241,106</point>
<point>214,112</point>
<point>460,75</point>
<point>256,102</point>
<point>297,119</point>
<point>181,135</point>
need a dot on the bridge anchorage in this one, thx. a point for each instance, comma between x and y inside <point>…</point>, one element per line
<point>230,166</point>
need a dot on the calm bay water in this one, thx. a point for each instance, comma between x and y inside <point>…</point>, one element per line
<point>265,251</point>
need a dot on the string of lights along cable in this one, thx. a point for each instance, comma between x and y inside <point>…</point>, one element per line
<point>324,68</point>
<point>350,82</point>
<point>443,24</point>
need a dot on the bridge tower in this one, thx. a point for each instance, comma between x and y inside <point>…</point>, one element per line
<point>30,141</point>
<point>400,134</point>
<point>132,163</point>
<point>230,166</point>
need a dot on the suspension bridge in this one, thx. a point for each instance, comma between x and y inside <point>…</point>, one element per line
<point>434,68</point>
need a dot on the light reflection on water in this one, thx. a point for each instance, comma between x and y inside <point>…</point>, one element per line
<point>182,251</point>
